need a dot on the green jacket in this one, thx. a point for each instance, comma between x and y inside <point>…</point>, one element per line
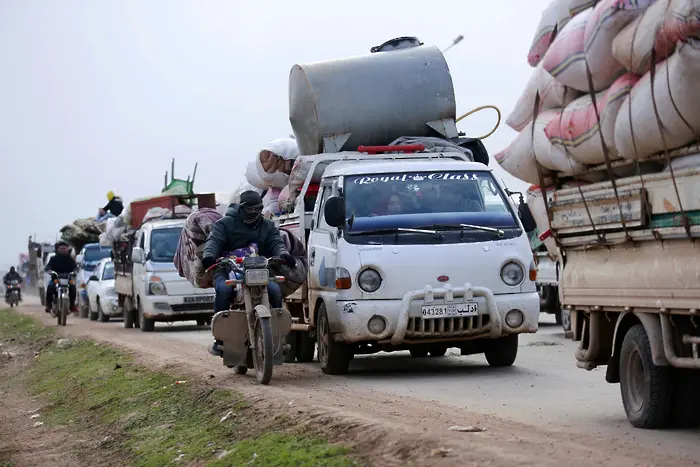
<point>230,233</point>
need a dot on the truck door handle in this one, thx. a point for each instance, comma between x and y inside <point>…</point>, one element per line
<point>313,256</point>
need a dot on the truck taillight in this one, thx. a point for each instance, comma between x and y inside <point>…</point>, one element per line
<point>405,148</point>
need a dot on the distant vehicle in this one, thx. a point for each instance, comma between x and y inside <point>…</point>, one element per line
<point>102,301</point>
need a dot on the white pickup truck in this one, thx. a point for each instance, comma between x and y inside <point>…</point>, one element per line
<point>149,287</point>
<point>418,252</point>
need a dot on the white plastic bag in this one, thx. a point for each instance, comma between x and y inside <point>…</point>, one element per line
<point>270,204</point>
<point>677,100</point>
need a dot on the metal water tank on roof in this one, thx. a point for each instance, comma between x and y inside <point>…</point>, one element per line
<point>371,100</point>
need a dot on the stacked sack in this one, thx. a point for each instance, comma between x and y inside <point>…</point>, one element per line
<point>270,171</point>
<point>82,232</point>
<point>190,248</point>
<point>592,84</point>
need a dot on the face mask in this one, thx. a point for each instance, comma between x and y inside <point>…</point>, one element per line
<point>252,215</point>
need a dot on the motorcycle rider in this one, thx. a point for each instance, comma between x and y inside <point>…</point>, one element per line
<point>242,225</point>
<point>13,275</point>
<point>61,263</point>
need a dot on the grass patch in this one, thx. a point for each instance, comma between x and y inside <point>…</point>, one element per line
<point>145,418</point>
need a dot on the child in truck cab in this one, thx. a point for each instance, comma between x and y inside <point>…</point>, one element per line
<point>61,263</point>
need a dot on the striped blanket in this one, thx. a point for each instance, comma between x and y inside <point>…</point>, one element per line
<point>188,257</point>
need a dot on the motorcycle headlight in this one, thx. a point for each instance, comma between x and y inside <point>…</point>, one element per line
<point>157,288</point>
<point>512,274</point>
<point>369,280</point>
<point>257,277</point>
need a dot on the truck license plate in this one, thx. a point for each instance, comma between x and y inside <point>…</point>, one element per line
<point>200,299</point>
<point>453,310</point>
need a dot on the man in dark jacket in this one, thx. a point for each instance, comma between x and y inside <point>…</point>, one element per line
<point>242,225</point>
<point>13,275</point>
<point>62,264</point>
<point>114,206</point>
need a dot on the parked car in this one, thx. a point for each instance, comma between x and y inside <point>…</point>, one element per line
<point>88,259</point>
<point>102,299</point>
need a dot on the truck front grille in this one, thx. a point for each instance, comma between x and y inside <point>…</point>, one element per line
<point>181,308</point>
<point>447,327</point>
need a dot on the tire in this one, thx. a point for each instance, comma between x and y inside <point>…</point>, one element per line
<point>84,309</point>
<point>127,315</point>
<point>101,316</point>
<point>566,320</point>
<point>240,370</point>
<point>147,325</point>
<point>438,351</point>
<point>292,340</point>
<point>646,389</point>
<point>306,347</point>
<point>201,322</point>
<point>503,351</point>
<point>264,350</point>
<point>42,298</point>
<point>93,315</point>
<point>63,314</point>
<point>334,357</point>
<point>419,352</point>
<point>686,404</point>
<point>558,318</point>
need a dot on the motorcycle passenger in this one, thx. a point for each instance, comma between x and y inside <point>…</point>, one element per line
<point>62,264</point>
<point>13,275</point>
<point>242,225</point>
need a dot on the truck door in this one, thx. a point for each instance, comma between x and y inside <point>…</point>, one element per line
<point>138,273</point>
<point>322,248</point>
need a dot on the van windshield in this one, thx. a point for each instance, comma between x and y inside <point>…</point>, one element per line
<point>441,200</point>
<point>164,244</point>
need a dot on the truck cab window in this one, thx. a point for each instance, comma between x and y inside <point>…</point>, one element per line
<point>321,219</point>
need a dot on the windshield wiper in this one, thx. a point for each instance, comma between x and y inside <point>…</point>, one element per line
<point>461,227</point>
<point>395,231</point>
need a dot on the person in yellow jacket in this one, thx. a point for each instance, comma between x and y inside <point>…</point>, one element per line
<point>114,207</point>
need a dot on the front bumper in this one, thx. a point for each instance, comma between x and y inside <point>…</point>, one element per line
<point>168,306</point>
<point>404,322</point>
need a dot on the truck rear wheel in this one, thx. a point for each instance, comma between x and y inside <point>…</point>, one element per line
<point>306,347</point>
<point>647,389</point>
<point>127,313</point>
<point>686,404</point>
<point>503,351</point>
<point>334,357</point>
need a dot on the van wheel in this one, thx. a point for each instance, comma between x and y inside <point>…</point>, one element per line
<point>502,352</point>
<point>334,357</point>
<point>147,325</point>
<point>647,389</point>
<point>558,318</point>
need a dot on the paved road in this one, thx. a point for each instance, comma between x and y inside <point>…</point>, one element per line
<point>544,388</point>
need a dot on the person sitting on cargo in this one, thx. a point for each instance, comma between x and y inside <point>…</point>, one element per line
<point>13,275</point>
<point>113,208</point>
<point>61,263</point>
<point>242,225</point>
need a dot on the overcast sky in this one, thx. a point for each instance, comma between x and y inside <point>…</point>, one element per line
<point>99,95</point>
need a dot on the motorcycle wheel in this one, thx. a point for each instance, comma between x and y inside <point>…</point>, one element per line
<point>64,312</point>
<point>263,350</point>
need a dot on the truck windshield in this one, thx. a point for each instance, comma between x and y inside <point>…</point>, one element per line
<point>430,200</point>
<point>164,244</point>
<point>108,273</point>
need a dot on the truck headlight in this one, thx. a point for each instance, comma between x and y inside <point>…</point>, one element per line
<point>512,274</point>
<point>369,280</point>
<point>157,288</point>
<point>257,277</point>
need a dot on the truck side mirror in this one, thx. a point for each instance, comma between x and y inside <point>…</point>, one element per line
<point>137,255</point>
<point>526,217</point>
<point>334,211</point>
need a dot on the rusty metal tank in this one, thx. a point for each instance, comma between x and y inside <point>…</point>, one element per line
<point>371,100</point>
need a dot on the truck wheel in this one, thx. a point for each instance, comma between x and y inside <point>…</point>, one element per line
<point>686,405</point>
<point>418,352</point>
<point>647,389</point>
<point>334,357</point>
<point>84,309</point>
<point>306,347</point>
<point>201,322</point>
<point>565,320</point>
<point>292,340</point>
<point>147,325</point>
<point>558,318</point>
<point>438,351</point>
<point>101,316</point>
<point>502,352</point>
<point>128,316</point>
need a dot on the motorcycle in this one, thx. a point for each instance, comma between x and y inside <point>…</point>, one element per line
<point>251,334</point>
<point>61,302</point>
<point>12,295</point>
